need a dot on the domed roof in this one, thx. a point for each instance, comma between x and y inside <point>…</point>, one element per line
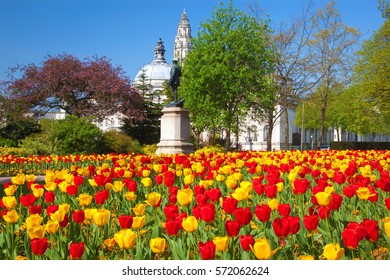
<point>159,69</point>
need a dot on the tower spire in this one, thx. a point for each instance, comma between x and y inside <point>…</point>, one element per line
<point>183,39</point>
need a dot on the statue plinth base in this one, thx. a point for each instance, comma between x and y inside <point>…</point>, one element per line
<point>175,132</point>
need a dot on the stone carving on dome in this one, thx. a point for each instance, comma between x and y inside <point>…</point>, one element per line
<point>159,51</point>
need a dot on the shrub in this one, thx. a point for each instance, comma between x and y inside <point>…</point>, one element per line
<point>119,142</point>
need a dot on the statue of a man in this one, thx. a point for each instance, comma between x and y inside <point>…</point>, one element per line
<point>174,80</point>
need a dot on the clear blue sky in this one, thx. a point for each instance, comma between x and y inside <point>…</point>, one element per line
<point>126,31</point>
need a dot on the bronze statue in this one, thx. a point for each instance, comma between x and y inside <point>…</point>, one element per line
<point>174,83</point>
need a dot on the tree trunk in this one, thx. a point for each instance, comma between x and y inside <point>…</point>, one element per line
<point>322,127</point>
<point>270,129</point>
<point>227,139</point>
<point>286,130</point>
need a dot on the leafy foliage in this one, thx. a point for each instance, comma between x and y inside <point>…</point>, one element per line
<point>227,69</point>
<point>17,130</point>
<point>119,142</point>
<point>82,88</point>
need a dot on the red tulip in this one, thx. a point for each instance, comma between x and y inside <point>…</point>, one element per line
<point>27,200</point>
<point>229,204</point>
<point>65,221</point>
<point>295,224</point>
<point>349,191</point>
<point>359,228</point>
<point>301,186</point>
<point>213,194</point>
<point>36,209</point>
<point>125,221</point>
<point>281,227</point>
<point>271,191</point>
<point>172,227</point>
<point>263,212</point>
<point>387,203</point>
<point>339,178</point>
<point>49,197</point>
<point>207,212</point>
<point>372,230</point>
<point>246,241</point>
<point>336,201</point>
<point>171,211</point>
<point>243,215</point>
<point>311,222</point>
<point>284,209</point>
<point>101,196</point>
<point>232,228</point>
<point>51,209</point>
<point>158,179</point>
<point>201,199</point>
<point>207,250</point>
<point>39,246</point>
<point>78,216</point>
<point>76,250</point>
<point>324,212</point>
<point>130,184</point>
<point>72,190</point>
<point>350,238</point>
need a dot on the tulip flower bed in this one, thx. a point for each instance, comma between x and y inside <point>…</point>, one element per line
<point>283,205</point>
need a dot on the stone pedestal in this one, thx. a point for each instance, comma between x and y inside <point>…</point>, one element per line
<point>175,132</point>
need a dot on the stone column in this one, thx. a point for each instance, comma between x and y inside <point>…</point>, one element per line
<point>175,132</point>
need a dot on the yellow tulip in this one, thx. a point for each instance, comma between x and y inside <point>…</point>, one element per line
<point>323,198</point>
<point>58,216</point>
<point>130,196</point>
<point>33,220</point>
<point>231,182</point>
<point>280,186</point>
<point>145,173</point>
<point>363,193</point>
<point>306,257</point>
<point>84,199</point>
<point>386,224</point>
<point>11,217</point>
<point>139,209</point>
<point>52,226</point>
<point>237,176</point>
<point>139,222</point>
<point>227,169</point>
<point>273,204</point>
<point>50,186</point>
<point>30,177</point>
<point>190,224</point>
<point>157,168</point>
<point>65,207</point>
<point>262,249</point>
<point>117,186</point>
<point>221,243</point>
<point>240,194</point>
<point>18,179</point>
<point>100,218</point>
<point>50,177</point>
<point>157,245</point>
<point>189,179</point>
<point>125,238</point>
<point>38,192</point>
<point>333,251</point>
<point>220,178</point>
<point>184,196</point>
<point>89,212</point>
<point>9,201</point>
<point>92,182</point>
<point>153,198</point>
<point>147,182</point>
<point>10,190</point>
<point>36,232</point>
<point>63,185</point>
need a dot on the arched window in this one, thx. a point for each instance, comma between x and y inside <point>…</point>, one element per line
<point>254,133</point>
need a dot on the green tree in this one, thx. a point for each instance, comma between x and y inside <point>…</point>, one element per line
<point>331,48</point>
<point>371,81</point>
<point>147,130</point>
<point>77,135</point>
<point>228,68</point>
<point>19,129</point>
